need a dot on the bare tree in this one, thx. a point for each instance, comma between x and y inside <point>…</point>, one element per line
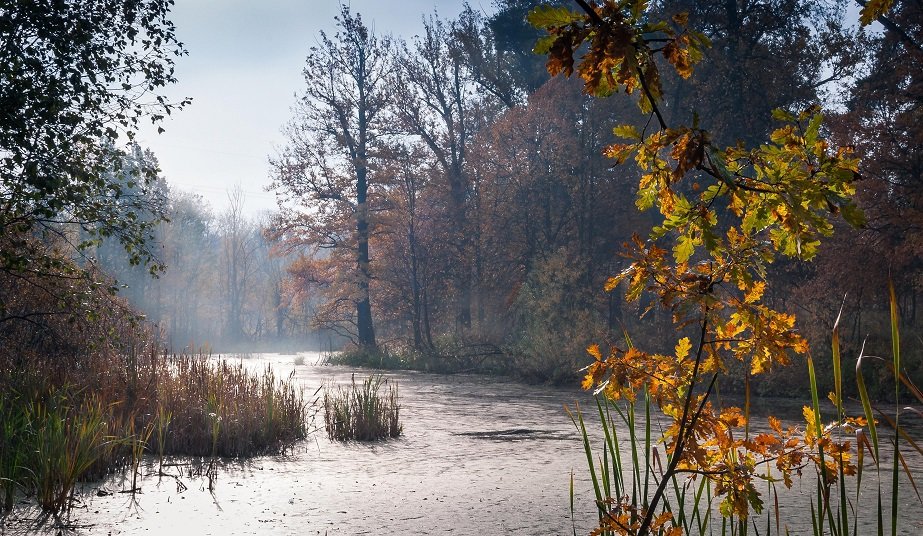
<point>326,172</point>
<point>239,245</point>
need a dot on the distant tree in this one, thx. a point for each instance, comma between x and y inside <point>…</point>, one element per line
<point>325,176</point>
<point>240,241</point>
<point>513,38</point>
<point>435,101</point>
<point>883,118</point>
<point>190,278</point>
<point>148,203</point>
<point>493,70</point>
<point>545,193</point>
<point>764,53</point>
<point>408,241</point>
<point>271,266</point>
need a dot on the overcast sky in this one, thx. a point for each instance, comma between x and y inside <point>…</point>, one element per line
<point>242,72</point>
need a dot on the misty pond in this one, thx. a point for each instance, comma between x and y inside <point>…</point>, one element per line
<point>478,455</point>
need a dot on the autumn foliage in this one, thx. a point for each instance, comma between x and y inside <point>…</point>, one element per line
<point>725,215</point>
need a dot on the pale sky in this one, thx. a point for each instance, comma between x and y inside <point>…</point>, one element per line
<point>243,72</point>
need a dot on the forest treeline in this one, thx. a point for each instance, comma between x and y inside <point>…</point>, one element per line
<point>443,199</point>
<point>445,202</point>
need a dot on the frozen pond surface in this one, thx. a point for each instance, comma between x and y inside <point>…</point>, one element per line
<point>479,456</point>
<point>451,472</point>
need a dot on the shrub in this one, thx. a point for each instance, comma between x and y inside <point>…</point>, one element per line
<point>380,358</point>
<point>358,412</point>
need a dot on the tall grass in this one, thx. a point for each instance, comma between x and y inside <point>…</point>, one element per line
<point>628,463</point>
<point>50,442</point>
<point>53,436</point>
<point>360,412</point>
<point>67,438</point>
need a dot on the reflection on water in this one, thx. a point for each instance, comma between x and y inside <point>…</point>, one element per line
<point>478,456</point>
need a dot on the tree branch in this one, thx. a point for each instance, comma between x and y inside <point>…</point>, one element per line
<point>893,27</point>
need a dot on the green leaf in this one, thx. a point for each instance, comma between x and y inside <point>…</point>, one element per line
<point>654,27</point>
<point>685,247</point>
<point>627,131</point>
<point>710,239</point>
<point>783,115</point>
<point>544,17</point>
<point>646,198</point>
<point>544,44</point>
<point>813,130</point>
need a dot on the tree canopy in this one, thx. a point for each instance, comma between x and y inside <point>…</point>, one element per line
<point>76,77</point>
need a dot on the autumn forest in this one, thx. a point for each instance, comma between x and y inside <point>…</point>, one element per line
<point>446,201</point>
<point>665,202</point>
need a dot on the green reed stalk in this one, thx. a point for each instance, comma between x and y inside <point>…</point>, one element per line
<point>896,355</point>
<point>360,412</point>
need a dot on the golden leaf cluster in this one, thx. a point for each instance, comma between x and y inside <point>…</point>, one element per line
<point>777,199</point>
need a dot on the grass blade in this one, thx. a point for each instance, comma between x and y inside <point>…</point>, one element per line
<point>896,354</point>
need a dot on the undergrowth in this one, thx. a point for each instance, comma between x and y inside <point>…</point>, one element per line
<point>54,435</point>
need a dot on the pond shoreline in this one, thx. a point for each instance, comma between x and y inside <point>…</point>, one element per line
<point>479,455</point>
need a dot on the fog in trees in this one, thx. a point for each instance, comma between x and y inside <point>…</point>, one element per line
<point>440,198</point>
<point>223,284</point>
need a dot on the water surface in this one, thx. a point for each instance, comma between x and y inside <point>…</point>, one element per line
<point>479,456</point>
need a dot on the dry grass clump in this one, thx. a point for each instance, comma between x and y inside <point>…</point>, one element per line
<point>85,391</point>
<point>207,408</point>
<point>358,412</point>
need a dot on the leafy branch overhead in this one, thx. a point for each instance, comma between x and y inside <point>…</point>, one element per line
<point>76,77</point>
<point>620,54</point>
<point>726,213</point>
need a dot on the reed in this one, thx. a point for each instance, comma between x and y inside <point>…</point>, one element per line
<point>625,461</point>
<point>219,409</point>
<point>56,433</point>
<point>161,428</point>
<point>360,412</point>
<point>64,438</point>
<point>13,429</point>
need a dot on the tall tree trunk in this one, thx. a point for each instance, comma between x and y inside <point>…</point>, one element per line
<point>460,221</point>
<point>416,308</point>
<point>366,329</point>
<point>364,323</point>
